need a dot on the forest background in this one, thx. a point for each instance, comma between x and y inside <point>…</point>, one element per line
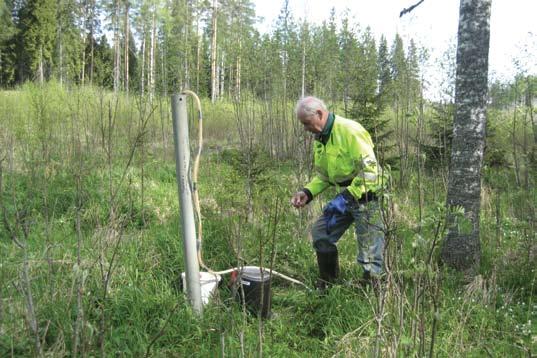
<point>90,239</point>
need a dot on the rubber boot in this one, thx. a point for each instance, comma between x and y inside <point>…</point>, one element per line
<point>328,269</point>
<point>368,280</point>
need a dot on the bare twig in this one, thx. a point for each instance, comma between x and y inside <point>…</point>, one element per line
<point>161,332</point>
<point>106,272</point>
<point>346,338</point>
<point>138,139</point>
<point>32,319</point>
<point>21,224</point>
<point>11,231</point>
<point>106,276</point>
<point>439,232</point>
<point>409,9</point>
<point>434,326</point>
<point>79,275</point>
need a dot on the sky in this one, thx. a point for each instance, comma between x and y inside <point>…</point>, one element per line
<point>432,25</point>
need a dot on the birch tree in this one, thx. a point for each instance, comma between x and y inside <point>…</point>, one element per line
<point>117,54</point>
<point>461,248</point>
<point>126,47</point>
<point>214,83</point>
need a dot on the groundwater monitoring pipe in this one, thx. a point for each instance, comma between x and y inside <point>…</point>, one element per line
<point>188,195</point>
<point>182,172</point>
<point>195,198</point>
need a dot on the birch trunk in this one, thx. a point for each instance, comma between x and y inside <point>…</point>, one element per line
<point>163,70</point>
<point>461,249</point>
<point>61,57</point>
<point>198,54</point>
<point>513,137</point>
<point>187,50</point>
<point>116,47</point>
<point>41,75</point>
<point>238,74</point>
<point>90,20</point>
<point>91,57</point>
<point>83,77</point>
<point>533,155</point>
<point>127,31</point>
<point>214,85</point>
<point>152,58</point>
<point>304,67</point>
<point>142,77</point>
<point>222,72</point>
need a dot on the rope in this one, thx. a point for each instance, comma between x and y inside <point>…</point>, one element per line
<point>195,199</point>
<point>195,195</point>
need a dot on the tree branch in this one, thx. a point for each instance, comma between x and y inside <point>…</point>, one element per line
<point>409,9</point>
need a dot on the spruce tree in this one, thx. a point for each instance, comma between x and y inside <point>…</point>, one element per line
<point>349,57</point>
<point>37,24</point>
<point>364,99</point>
<point>68,42</point>
<point>7,43</point>
<point>103,62</point>
<point>384,75</point>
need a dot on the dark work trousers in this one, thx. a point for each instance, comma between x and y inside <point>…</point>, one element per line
<point>369,229</point>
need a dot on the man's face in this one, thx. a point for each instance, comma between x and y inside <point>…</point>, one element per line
<point>312,123</point>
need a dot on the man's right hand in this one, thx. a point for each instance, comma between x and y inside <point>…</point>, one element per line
<point>300,199</point>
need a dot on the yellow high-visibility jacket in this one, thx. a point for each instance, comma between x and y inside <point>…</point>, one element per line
<point>344,156</point>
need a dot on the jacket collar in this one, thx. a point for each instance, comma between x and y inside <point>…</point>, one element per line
<point>325,134</point>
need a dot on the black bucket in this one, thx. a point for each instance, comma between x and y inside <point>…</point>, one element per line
<point>256,290</point>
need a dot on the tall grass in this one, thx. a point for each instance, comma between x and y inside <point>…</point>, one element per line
<point>90,231</point>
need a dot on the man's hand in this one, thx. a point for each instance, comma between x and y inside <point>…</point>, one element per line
<point>300,199</point>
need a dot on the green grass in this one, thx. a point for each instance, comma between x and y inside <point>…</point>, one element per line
<point>144,304</point>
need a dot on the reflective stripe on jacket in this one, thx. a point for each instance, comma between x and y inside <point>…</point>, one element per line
<point>347,156</point>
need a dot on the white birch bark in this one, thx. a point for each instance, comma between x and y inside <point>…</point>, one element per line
<point>127,31</point>
<point>214,84</point>
<point>461,249</point>
<point>117,55</point>
<point>152,57</point>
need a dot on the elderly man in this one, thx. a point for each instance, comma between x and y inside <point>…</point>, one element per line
<point>343,157</point>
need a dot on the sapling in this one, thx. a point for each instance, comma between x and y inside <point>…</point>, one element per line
<point>18,230</point>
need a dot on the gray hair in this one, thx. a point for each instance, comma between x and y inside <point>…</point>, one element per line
<point>309,105</point>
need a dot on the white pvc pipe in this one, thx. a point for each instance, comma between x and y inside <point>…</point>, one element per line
<point>182,171</point>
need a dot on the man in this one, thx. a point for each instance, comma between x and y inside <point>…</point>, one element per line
<point>343,157</point>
